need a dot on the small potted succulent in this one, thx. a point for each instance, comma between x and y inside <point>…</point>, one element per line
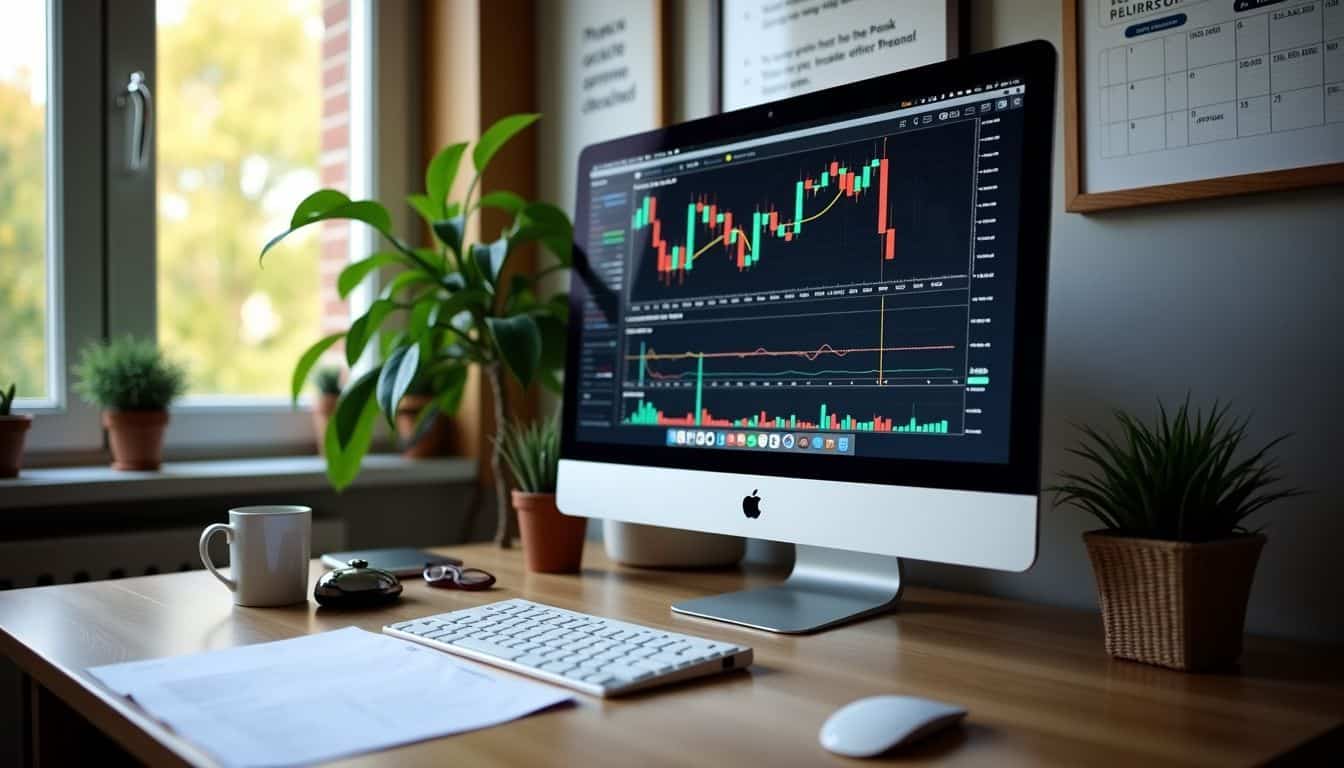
<point>327,380</point>
<point>134,383</point>
<point>423,431</point>
<point>1175,561</point>
<point>13,429</point>
<point>552,541</point>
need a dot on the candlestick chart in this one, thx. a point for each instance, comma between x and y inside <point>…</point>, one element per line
<point>852,214</point>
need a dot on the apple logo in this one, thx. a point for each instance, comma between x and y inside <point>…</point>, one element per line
<point>751,505</point>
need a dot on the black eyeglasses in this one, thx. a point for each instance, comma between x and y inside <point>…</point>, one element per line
<point>448,576</point>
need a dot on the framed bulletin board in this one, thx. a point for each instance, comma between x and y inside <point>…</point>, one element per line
<point>772,50</point>
<point>1183,99</point>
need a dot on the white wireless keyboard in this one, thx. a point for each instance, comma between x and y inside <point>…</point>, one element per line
<point>588,653</point>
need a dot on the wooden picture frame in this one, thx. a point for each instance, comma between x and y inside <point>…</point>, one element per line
<point>1078,200</point>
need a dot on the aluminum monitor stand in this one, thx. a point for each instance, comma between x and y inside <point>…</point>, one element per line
<point>826,587</point>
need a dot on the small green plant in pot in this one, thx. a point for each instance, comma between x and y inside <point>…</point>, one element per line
<point>1175,560</point>
<point>422,432</point>
<point>134,383</point>
<point>13,430</point>
<point>327,382</point>
<point>552,541</point>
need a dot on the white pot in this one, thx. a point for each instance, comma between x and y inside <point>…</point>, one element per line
<point>657,547</point>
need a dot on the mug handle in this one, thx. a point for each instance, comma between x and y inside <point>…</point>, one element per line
<point>211,530</point>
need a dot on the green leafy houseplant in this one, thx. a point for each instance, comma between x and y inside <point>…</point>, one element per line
<point>1175,563</point>
<point>128,374</point>
<point>459,304</point>
<point>532,453</point>
<point>1182,479</point>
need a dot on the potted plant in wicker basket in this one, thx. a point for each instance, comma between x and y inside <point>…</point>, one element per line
<point>552,540</point>
<point>13,428</point>
<point>134,383</point>
<point>1175,561</point>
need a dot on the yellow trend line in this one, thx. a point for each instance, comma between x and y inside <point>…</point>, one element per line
<point>743,234</point>
<point>823,210</point>
<point>718,240</point>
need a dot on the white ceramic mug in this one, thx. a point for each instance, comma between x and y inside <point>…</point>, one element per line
<point>268,554</point>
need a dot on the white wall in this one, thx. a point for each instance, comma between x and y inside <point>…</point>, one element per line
<point>1234,299</point>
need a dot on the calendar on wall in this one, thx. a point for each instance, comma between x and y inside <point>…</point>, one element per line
<point>1177,99</point>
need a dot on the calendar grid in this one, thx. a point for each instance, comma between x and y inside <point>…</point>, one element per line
<point>1275,71</point>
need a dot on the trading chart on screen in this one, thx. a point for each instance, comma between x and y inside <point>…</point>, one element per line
<point>843,288</point>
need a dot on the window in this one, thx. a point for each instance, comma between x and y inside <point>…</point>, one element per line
<point>252,113</point>
<point>25,272</point>
<point>254,105</point>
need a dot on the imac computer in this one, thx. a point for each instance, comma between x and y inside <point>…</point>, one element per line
<point>821,321</point>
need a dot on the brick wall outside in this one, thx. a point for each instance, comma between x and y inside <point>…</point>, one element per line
<point>334,160</point>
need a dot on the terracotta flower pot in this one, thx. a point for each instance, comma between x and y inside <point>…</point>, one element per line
<point>323,407</point>
<point>1173,603</point>
<point>434,442</point>
<point>13,429</point>
<point>552,541</point>
<point>136,438</point>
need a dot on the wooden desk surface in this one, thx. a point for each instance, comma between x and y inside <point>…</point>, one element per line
<point>1036,680</point>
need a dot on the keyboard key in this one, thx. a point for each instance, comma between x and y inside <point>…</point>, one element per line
<point>633,674</point>
<point>559,667</point>
<point>599,679</point>
<point>494,649</point>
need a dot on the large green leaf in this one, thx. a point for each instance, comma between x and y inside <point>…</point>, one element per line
<point>550,226</point>
<point>553,339</point>
<point>496,136</point>
<point>317,204</point>
<point>306,362</point>
<point>398,372</point>
<point>406,279</point>
<point>350,431</point>
<point>467,298</point>
<point>449,231</point>
<point>490,257</point>
<point>519,343</point>
<point>354,274</point>
<point>327,204</point>
<point>439,176</point>
<point>504,200</point>
<point>365,327</point>
<point>425,207</point>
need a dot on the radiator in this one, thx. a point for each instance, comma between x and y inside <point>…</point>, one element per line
<point>41,562</point>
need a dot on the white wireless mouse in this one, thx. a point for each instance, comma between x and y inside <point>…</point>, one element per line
<point>871,726</point>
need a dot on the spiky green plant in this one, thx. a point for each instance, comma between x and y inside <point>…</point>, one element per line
<point>532,453</point>
<point>128,374</point>
<point>7,400</point>
<point>1186,478</point>
<point>327,379</point>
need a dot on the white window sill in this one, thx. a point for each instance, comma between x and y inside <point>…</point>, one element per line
<point>84,485</point>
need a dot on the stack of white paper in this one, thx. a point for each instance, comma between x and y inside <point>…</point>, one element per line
<point>321,697</point>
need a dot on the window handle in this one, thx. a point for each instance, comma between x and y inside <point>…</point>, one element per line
<point>139,105</point>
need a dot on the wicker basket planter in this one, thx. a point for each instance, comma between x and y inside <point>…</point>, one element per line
<point>1174,604</point>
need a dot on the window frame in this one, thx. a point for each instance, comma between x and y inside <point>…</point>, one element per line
<point>102,223</point>
<point>74,226</point>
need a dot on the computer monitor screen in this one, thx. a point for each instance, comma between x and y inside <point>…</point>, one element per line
<point>841,286</point>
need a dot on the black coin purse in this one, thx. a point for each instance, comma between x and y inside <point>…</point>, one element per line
<point>357,586</point>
